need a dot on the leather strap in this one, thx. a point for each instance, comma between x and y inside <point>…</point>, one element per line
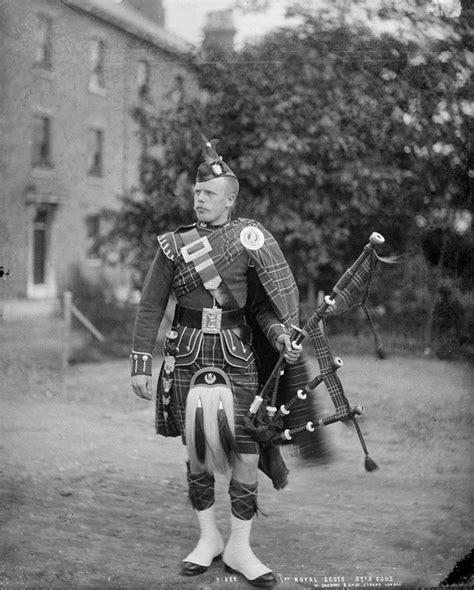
<point>188,316</point>
<point>197,250</point>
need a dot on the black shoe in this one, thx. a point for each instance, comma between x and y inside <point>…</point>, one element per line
<point>194,569</point>
<point>264,581</point>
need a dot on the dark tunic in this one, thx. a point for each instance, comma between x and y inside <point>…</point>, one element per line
<point>197,350</point>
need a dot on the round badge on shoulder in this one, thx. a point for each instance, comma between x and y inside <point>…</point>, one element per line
<point>252,237</point>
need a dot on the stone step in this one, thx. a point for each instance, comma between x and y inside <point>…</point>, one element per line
<point>17,309</point>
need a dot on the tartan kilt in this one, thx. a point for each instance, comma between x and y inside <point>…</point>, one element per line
<point>243,376</point>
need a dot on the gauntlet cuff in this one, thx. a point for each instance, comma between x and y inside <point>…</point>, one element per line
<point>140,363</point>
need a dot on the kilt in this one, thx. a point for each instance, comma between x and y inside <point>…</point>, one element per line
<point>244,382</point>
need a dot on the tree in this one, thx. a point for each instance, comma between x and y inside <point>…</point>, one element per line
<point>334,130</point>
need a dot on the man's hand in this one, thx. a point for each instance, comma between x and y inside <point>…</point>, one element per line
<point>141,385</point>
<point>292,354</point>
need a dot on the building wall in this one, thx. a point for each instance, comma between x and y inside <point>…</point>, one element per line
<point>62,93</point>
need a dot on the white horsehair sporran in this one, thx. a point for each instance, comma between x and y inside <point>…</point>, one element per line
<point>209,424</point>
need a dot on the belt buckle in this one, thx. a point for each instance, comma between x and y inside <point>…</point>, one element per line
<point>211,320</point>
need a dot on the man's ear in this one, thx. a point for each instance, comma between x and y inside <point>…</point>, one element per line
<point>230,199</point>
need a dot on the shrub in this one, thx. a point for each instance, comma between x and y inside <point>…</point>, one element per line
<point>413,307</point>
<point>112,317</point>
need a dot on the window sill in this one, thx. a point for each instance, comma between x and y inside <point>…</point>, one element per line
<point>44,73</point>
<point>97,90</point>
<point>41,291</point>
<point>42,171</point>
<point>93,262</point>
<point>95,179</point>
<point>144,93</point>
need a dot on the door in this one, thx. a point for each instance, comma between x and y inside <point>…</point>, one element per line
<point>41,276</point>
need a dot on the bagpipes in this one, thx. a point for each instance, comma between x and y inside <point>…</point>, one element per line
<point>264,421</point>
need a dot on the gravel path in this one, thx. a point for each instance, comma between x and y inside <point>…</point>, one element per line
<point>91,498</point>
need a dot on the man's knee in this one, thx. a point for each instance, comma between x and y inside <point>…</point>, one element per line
<point>246,468</point>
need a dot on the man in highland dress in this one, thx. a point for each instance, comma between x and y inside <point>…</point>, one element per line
<point>220,271</point>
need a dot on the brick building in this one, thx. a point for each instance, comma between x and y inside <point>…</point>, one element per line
<point>70,72</point>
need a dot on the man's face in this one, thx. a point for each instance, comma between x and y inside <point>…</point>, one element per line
<point>212,200</point>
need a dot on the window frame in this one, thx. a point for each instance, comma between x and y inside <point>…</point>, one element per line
<point>40,160</point>
<point>44,46</point>
<point>92,254</point>
<point>95,166</point>
<point>143,86</point>
<point>97,65</point>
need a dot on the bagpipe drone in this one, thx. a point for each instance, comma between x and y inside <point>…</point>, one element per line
<point>269,424</point>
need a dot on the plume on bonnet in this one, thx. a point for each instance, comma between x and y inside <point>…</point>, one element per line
<point>213,165</point>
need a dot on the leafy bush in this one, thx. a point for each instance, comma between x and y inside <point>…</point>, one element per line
<point>113,318</point>
<point>414,307</point>
<point>334,132</point>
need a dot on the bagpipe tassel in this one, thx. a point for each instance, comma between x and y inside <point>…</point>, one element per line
<point>370,464</point>
<point>379,347</point>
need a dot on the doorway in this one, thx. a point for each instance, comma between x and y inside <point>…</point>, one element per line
<point>41,276</point>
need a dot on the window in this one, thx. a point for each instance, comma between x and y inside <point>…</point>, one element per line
<point>93,235</point>
<point>143,78</point>
<point>93,226</point>
<point>44,48</point>
<point>41,142</point>
<point>177,94</point>
<point>96,61</point>
<point>40,246</point>
<point>95,151</point>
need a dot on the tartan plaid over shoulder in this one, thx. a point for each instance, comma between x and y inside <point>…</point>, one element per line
<point>268,260</point>
<point>276,277</point>
<point>278,282</point>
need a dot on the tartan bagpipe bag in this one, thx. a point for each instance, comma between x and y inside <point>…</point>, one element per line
<point>280,416</point>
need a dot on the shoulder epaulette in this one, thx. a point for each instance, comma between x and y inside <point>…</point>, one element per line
<point>168,241</point>
<point>168,245</point>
